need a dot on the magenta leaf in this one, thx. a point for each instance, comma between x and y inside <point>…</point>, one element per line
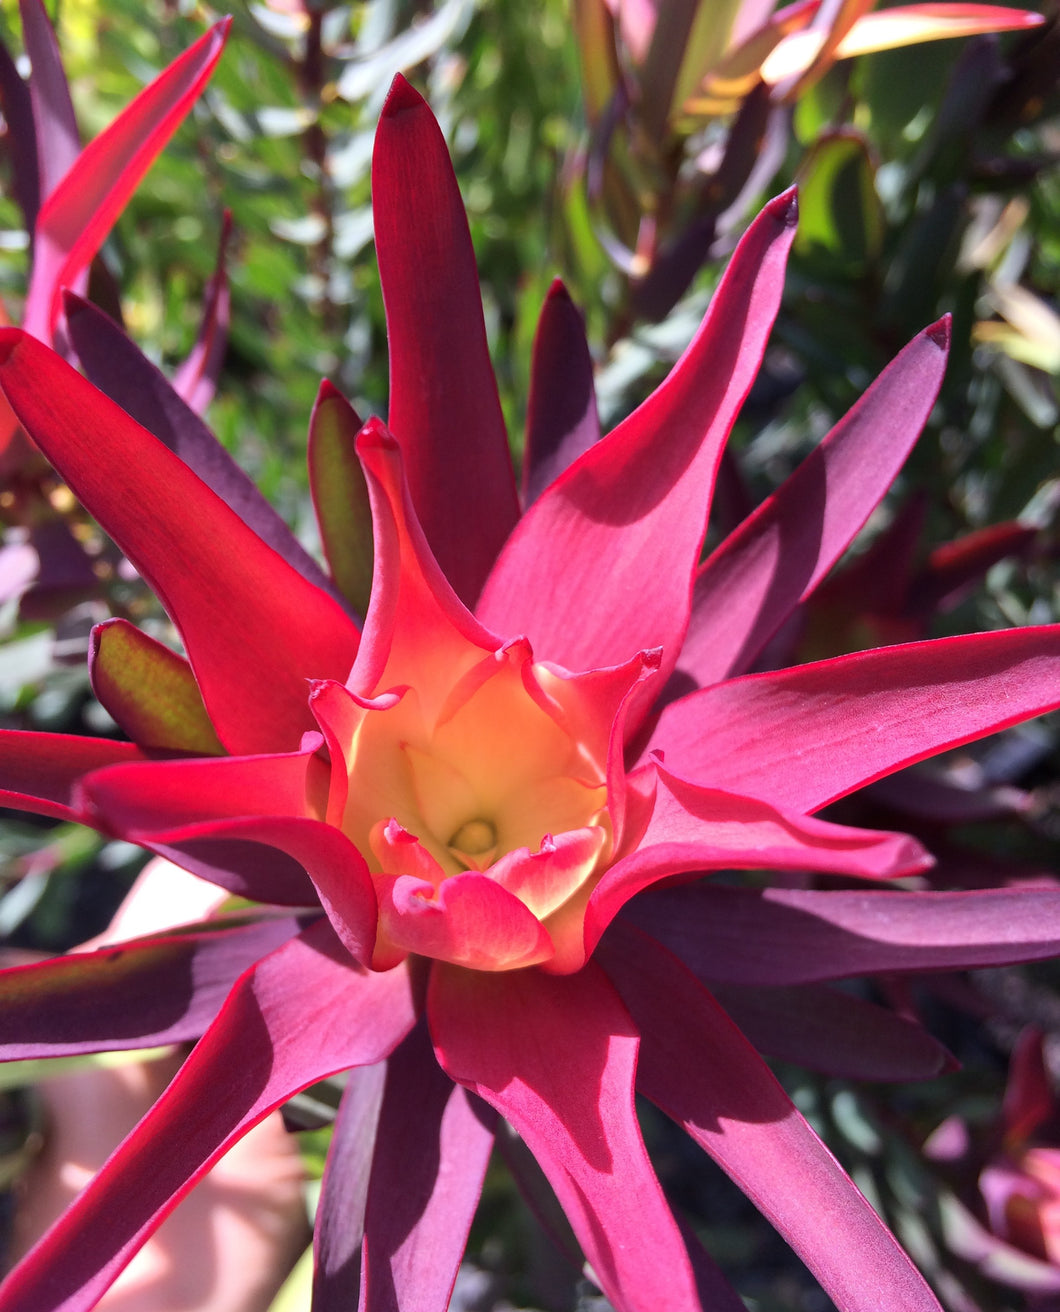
<point>17,106</point>
<point>154,796</point>
<point>196,379</point>
<point>174,810</point>
<point>178,807</point>
<point>75,218</point>
<point>39,771</point>
<point>257,1054</point>
<point>623,526</point>
<point>832,1032</point>
<point>556,1056</point>
<point>699,829</point>
<point>58,140</point>
<point>802,737</point>
<point>783,936</point>
<point>753,581</point>
<point>435,1138</point>
<point>336,869</point>
<point>444,408</point>
<point>344,1192</point>
<point>697,1066</point>
<point>119,368</point>
<point>254,629</point>
<point>561,418</point>
<point>139,994</point>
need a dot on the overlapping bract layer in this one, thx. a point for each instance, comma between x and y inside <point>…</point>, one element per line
<point>473,796</point>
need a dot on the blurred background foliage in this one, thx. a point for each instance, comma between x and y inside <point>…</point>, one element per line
<point>928,184</point>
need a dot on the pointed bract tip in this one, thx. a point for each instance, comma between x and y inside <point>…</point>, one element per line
<point>328,391</point>
<point>401,98</point>
<point>72,303</point>
<point>375,436</point>
<point>557,291</point>
<point>939,332</point>
<point>223,26</point>
<point>786,207</point>
<point>9,339</point>
<point>95,637</point>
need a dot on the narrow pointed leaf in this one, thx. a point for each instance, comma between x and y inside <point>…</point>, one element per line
<point>337,872</point>
<point>196,379</point>
<point>340,495</point>
<point>784,936</point>
<point>138,994</point>
<point>178,807</point>
<point>74,220</point>
<point>163,795</point>
<point>39,772</point>
<point>149,690</point>
<point>339,1225</point>
<point>833,1032</point>
<point>57,137</point>
<point>697,1066</point>
<point>634,506</point>
<point>17,106</point>
<point>832,22</point>
<point>254,629</point>
<point>671,39</point>
<point>594,35</point>
<point>556,1056</point>
<point>118,367</point>
<point>904,25</point>
<point>802,737</point>
<point>261,1051</point>
<point>435,1138</point>
<point>444,408</point>
<point>692,828</point>
<point>753,581</point>
<point>561,420</point>
<point>414,607</point>
<point>1029,1101</point>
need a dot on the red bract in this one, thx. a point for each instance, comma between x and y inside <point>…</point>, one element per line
<point>481,792</point>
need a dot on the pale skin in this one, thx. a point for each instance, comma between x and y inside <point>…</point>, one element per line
<point>230,1244</point>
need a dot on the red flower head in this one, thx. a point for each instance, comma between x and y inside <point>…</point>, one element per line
<point>483,786</point>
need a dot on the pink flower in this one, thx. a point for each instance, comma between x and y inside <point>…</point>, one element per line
<point>504,791</point>
<point>1004,1214</point>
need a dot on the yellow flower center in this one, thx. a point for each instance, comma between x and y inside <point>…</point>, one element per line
<point>490,776</point>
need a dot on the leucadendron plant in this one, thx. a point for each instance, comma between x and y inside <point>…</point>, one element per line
<point>481,821</point>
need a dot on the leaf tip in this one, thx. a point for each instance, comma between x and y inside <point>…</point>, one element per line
<point>400,99</point>
<point>558,292</point>
<point>940,332</point>
<point>375,436</point>
<point>786,207</point>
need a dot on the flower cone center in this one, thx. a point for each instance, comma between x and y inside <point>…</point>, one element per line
<point>486,779</point>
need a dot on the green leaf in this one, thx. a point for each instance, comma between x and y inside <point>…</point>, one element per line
<point>340,495</point>
<point>838,205</point>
